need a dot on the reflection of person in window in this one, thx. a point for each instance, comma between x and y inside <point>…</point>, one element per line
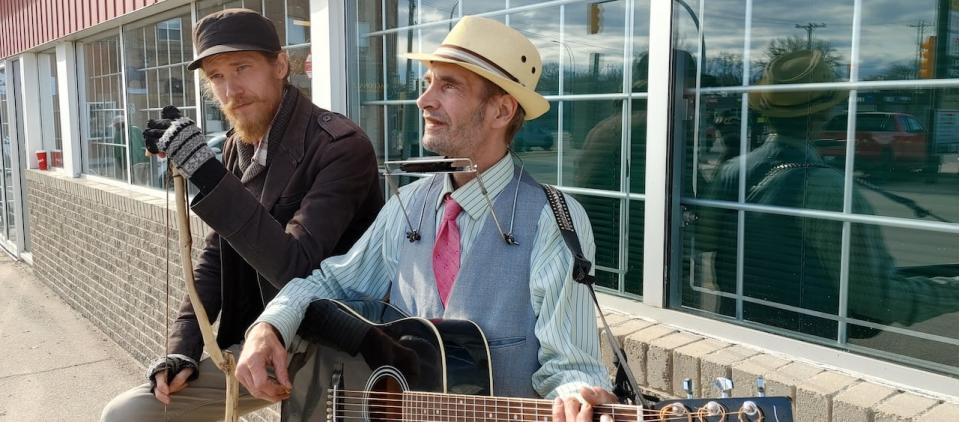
<point>139,161</point>
<point>792,260</point>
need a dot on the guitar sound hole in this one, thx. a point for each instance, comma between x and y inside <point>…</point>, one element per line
<point>384,402</point>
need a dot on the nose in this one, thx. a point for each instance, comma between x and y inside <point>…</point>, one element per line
<point>427,100</point>
<point>232,87</point>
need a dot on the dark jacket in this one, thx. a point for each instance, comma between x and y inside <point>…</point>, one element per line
<point>320,193</point>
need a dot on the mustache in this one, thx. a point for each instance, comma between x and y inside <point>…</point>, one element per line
<point>434,117</point>
<point>238,101</point>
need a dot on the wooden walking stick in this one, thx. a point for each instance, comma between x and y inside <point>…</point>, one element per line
<point>223,359</point>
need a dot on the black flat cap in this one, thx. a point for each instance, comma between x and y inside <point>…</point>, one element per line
<point>233,30</point>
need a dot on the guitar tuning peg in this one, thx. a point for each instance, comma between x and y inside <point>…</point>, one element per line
<point>688,387</point>
<point>724,385</point>
<point>760,386</point>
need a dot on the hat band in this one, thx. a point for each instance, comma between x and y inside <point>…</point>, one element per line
<point>453,52</point>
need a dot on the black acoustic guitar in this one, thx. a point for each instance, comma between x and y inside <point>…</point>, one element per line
<point>404,368</point>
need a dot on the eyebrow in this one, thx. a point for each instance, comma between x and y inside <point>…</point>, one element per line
<point>429,76</point>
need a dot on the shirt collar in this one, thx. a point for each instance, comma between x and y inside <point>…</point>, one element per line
<point>470,196</point>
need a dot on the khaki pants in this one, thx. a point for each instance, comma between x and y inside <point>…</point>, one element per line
<point>202,400</point>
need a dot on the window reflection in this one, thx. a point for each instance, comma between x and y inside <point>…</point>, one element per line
<point>156,56</point>
<point>791,157</point>
<point>105,141</point>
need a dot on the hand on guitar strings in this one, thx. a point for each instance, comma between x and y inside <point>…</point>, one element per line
<point>263,351</point>
<point>579,407</point>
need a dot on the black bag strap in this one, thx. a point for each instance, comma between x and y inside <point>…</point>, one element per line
<point>625,383</point>
<point>581,265</point>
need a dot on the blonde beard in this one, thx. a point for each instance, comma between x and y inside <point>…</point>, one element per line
<point>249,131</point>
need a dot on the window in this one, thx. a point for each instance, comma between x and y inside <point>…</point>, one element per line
<point>105,151</point>
<point>594,74</point>
<point>50,107</point>
<point>797,228</point>
<point>156,53</point>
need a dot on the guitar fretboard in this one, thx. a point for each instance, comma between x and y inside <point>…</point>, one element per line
<point>418,406</point>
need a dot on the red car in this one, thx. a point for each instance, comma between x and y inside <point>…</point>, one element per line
<point>885,142</point>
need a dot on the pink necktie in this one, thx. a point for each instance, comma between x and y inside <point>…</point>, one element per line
<point>446,251</point>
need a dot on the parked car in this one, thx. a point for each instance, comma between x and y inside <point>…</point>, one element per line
<point>532,135</point>
<point>885,142</point>
<point>216,144</point>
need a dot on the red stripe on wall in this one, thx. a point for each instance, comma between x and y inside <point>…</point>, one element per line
<point>25,24</point>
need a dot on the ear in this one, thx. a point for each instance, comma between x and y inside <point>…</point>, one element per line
<point>282,66</point>
<point>504,108</point>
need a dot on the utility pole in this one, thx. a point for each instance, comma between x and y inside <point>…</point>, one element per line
<point>809,27</point>
<point>920,31</point>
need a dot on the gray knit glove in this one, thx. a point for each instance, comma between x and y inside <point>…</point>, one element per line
<point>179,138</point>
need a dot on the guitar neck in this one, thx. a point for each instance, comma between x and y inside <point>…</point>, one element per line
<point>420,406</point>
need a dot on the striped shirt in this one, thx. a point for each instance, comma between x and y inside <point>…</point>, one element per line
<point>565,316</point>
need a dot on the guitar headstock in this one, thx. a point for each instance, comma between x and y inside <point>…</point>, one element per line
<point>725,408</point>
<point>746,409</point>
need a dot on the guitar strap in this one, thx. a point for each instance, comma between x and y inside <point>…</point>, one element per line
<point>625,383</point>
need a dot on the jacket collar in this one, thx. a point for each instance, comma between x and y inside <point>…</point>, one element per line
<point>285,144</point>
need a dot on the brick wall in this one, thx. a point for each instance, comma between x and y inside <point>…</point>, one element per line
<point>661,356</point>
<point>101,247</point>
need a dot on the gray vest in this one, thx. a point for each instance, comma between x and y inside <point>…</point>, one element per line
<point>492,287</point>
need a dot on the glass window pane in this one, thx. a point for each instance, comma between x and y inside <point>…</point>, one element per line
<point>542,27</point>
<point>783,268</point>
<point>438,10</point>
<point>400,14</point>
<point>297,22</point>
<point>536,145</point>
<point>402,74</point>
<point>369,17</point>
<point>592,144</point>
<point>403,141</point>
<point>892,282</point>
<point>152,86</point>
<point>206,7</point>
<point>779,27</point>
<point>894,40</point>
<point>370,58</point>
<point>371,120</point>
<point>634,248</point>
<point>472,7</point>
<point>298,71</point>
<point>640,46</point>
<point>105,144</point>
<point>50,108</point>
<point>594,41</point>
<point>604,216</point>
<point>276,12</point>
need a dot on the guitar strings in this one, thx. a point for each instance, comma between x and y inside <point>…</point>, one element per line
<point>432,416</point>
<point>365,399</point>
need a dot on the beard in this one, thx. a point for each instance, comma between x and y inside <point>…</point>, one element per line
<point>456,141</point>
<point>252,122</point>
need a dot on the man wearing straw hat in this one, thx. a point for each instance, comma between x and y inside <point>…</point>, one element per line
<point>540,323</point>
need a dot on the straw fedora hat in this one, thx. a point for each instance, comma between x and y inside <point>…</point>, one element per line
<point>797,67</point>
<point>499,54</point>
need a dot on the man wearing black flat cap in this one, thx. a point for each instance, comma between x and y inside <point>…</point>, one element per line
<point>297,184</point>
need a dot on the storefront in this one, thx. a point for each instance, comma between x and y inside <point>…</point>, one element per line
<point>706,215</point>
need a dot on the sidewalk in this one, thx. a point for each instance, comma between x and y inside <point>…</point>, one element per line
<point>54,364</point>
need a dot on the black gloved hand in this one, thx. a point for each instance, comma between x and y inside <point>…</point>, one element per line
<point>172,364</point>
<point>179,138</point>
